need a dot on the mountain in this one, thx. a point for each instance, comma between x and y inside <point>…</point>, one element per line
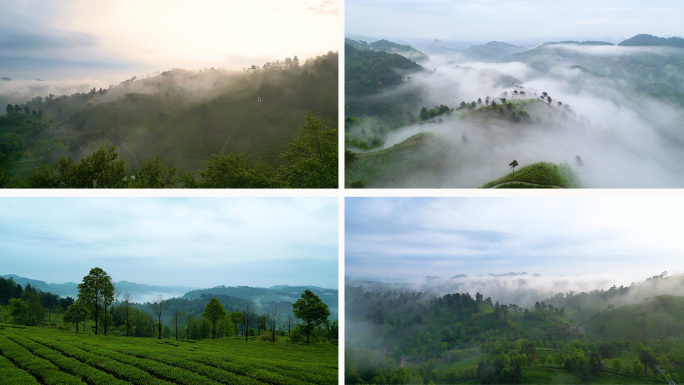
<point>68,289</point>
<point>183,117</point>
<point>140,292</point>
<point>264,295</point>
<point>645,40</point>
<point>492,51</point>
<point>383,45</point>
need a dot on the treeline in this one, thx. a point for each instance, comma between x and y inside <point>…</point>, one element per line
<point>28,305</point>
<point>311,162</point>
<point>99,310</point>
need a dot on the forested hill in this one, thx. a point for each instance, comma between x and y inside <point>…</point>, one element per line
<point>183,117</point>
<point>650,40</point>
<point>388,46</point>
<point>272,294</point>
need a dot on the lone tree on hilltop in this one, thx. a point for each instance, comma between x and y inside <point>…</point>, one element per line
<point>513,164</point>
<point>96,290</point>
<point>214,312</point>
<point>311,310</point>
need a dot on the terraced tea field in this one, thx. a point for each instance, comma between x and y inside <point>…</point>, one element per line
<point>40,356</point>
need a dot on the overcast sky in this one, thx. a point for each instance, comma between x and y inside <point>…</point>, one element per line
<point>197,242</point>
<point>407,238</point>
<point>51,39</point>
<point>514,21</point>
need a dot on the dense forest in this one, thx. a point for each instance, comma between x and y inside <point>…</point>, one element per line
<point>398,335</point>
<point>267,126</point>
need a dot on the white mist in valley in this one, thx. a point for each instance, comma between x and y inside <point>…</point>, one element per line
<point>624,137</point>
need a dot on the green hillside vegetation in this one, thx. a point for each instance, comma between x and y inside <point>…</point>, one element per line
<point>413,337</point>
<point>368,73</point>
<point>310,162</point>
<point>95,339</point>
<point>33,355</point>
<point>538,175</point>
<point>387,46</point>
<point>181,117</point>
<point>420,155</point>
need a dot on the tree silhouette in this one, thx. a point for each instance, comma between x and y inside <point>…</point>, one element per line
<point>513,164</point>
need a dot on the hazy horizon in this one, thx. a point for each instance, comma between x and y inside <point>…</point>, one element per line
<point>521,21</point>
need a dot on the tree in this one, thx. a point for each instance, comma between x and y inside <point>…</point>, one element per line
<point>76,312</point>
<point>214,312</point>
<point>513,164</point>
<point>273,318</point>
<point>247,319</point>
<point>311,310</point>
<point>96,290</point>
<point>312,156</point>
<point>158,308</point>
<point>127,313</point>
<point>176,315</point>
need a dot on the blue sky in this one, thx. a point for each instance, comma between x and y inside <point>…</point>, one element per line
<point>410,238</point>
<point>521,21</point>
<point>114,40</point>
<point>198,242</point>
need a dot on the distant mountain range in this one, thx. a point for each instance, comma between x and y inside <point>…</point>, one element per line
<point>144,293</point>
<point>383,45</point>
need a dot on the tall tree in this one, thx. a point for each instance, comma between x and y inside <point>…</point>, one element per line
<point>273,315</point>
<point>176,315</point>
<point>247,319</point>
<point>312,156</point>
<point>95,291</point>
<point>214,312</point>
<point>158,308</point>
<point>311,310</point>
<point>127,312</point>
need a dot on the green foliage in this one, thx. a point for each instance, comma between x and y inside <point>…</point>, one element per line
<point>312,157</point>
<point>310,309</point>
<point>98,170</point>
<point>233,170</point>
<point>214,312</point>
<point>96,292</point>
<point>542,174</point>
<point>55,358</point>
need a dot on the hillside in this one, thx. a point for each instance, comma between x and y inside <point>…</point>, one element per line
<point>492,51</point>
<point>538,175</point>
<point>42,356</point>
<point>183,117</point>
<point>404,335</point>
<point>645,40</point>
<point>383,45</point>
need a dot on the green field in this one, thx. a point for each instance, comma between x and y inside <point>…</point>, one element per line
<point>30,355</point>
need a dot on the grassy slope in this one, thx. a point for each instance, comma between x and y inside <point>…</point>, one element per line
<point>382,168</point>
<point>144,361</point>
<point>547,175</point>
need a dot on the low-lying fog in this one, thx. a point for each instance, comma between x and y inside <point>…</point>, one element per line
<point>524,289</point>
<point>624,137</point>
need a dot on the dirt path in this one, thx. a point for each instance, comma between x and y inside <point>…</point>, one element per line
<point>525,183</point>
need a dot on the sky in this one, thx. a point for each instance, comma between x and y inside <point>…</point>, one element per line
<point>192,242</point>
<point>513,21</point>
<point>627,238</point>
<point>115,40</point>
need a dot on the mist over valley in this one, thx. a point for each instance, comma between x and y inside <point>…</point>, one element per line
<point>605,115</point>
